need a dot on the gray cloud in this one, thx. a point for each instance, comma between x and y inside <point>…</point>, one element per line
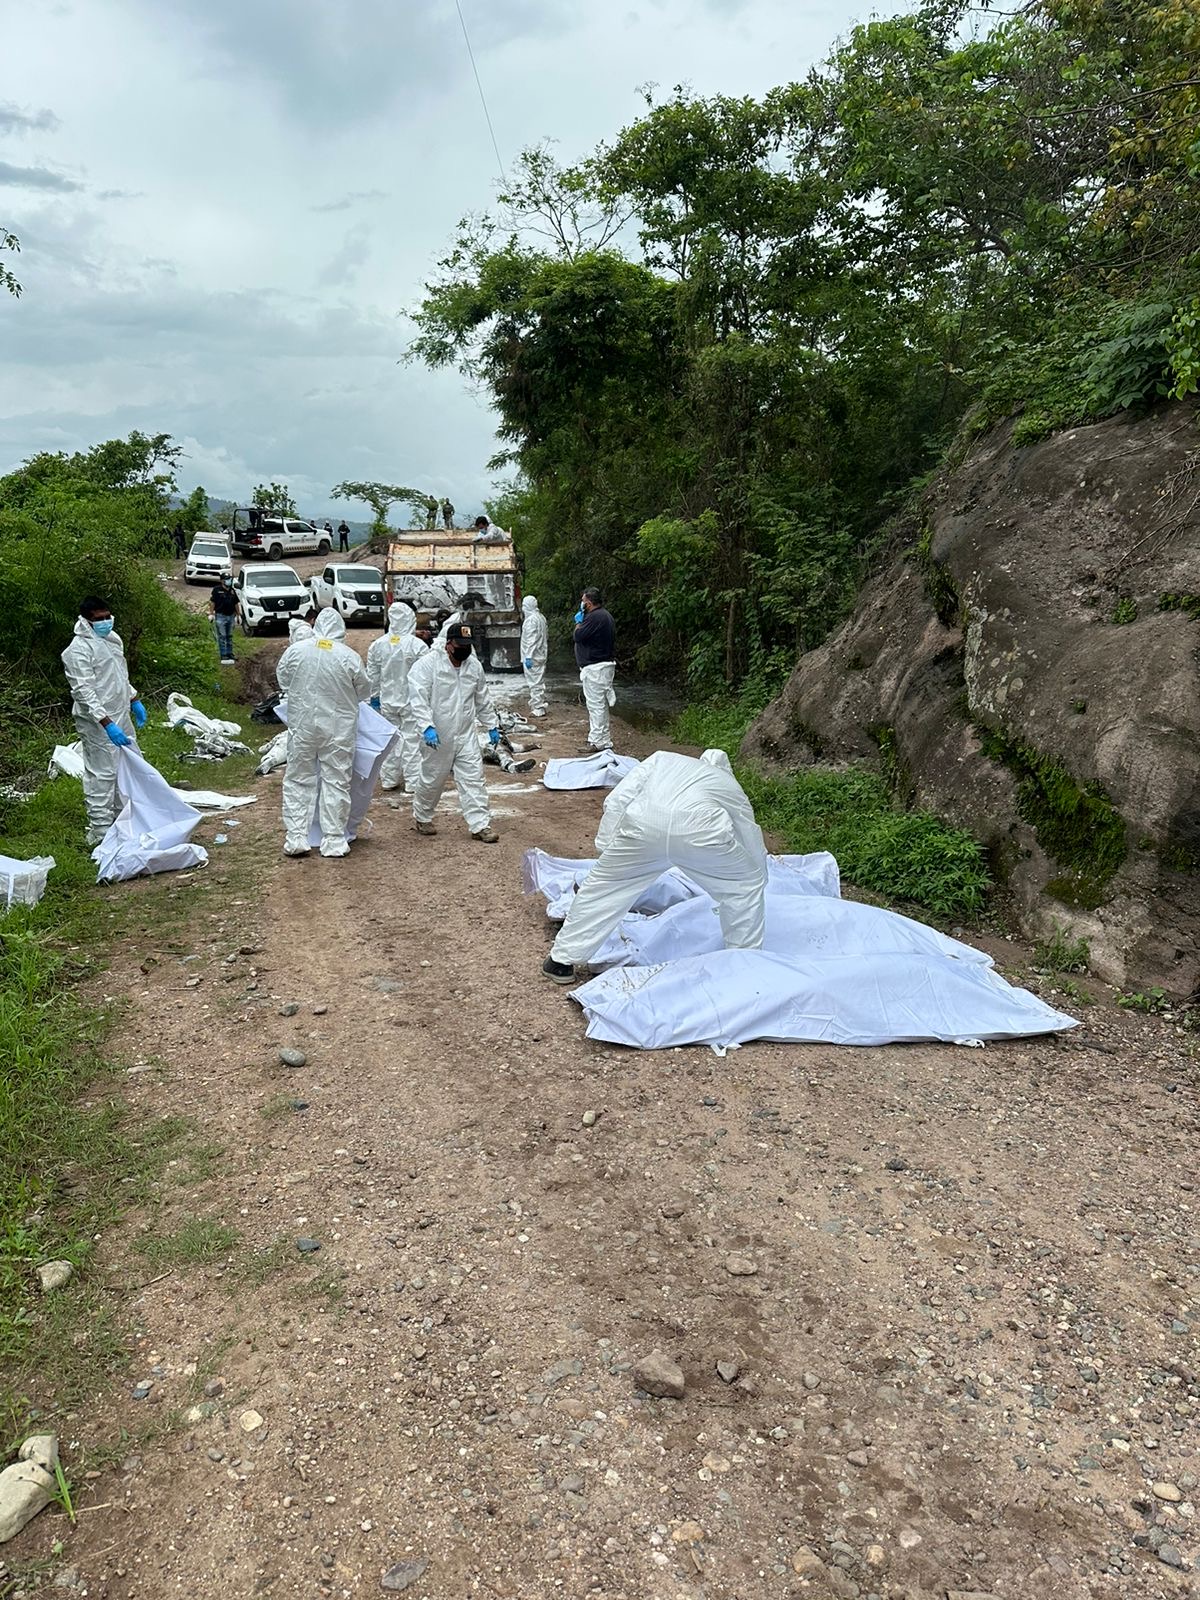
<point>14,120</point>
<point>235,297</point>
<point>355,197</point>
<point>37,178</point>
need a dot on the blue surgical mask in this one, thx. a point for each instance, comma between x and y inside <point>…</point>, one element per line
<point>103,629</point>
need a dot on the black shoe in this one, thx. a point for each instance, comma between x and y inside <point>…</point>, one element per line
<point>556,971</point>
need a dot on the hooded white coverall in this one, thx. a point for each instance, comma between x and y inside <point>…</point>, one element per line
<point>672,811</point>
<point>535,643</point>
<point>298,632</point>
<point>324,680</point>
<point>450,698</point>
<point>100,687</point>
<point>388,661</point>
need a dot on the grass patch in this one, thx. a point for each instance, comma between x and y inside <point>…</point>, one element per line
<point>901,854</point>
<point>1059,953</point>
<point>260,1265</point>
<point>200,1241</point>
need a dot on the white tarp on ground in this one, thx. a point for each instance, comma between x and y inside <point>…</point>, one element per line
<point>68,759</point>
<point>601,771</point>
<point>831,970</point>
<point>375,737</point>
<point>152,828</point>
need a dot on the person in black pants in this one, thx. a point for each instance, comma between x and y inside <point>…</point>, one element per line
<point>222,608</point>
<point>343,536</point>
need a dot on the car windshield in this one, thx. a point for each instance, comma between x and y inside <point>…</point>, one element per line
<point>213,549</point>
<point>360,575</point>
<point>281,578</point>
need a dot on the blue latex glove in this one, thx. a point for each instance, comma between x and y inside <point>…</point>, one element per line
<point>116,734</point>
<point>579,616</point>
<point>139,713</point>
<point>430,737</point>
<point>374,702</point>
<point>493,735</point>
<point>528,664</point>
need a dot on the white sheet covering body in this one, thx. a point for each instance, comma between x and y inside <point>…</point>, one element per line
<point>604,770</point>
<point>830,970</point>
<point>374,738</point>
<point>729,997</point>
<point>68,759</point>
<point>152,828</point>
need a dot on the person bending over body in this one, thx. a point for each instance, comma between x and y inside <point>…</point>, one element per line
<point>672,811</point>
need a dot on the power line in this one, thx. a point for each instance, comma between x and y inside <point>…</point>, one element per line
<point>482,97</point>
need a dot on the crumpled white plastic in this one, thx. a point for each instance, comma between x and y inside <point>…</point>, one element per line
<point>152,828</point>
<point>181,712</point>
<point>604,770</point>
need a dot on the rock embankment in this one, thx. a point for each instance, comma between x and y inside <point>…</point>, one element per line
<point>1029,669</point>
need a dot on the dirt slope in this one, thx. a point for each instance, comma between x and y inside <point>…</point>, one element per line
<point>964,1354</point>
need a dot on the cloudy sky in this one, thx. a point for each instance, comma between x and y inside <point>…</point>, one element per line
<point>226,206</point>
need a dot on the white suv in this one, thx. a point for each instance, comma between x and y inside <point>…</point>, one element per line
<point>355,591</point>
<point>270,595</point>
<point>276,537</point>
<point>208,560</point>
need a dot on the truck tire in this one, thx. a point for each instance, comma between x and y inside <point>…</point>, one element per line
<point>275,552</point>
<point>324,547</point>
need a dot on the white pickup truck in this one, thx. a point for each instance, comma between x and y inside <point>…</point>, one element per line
<point>354,590</point>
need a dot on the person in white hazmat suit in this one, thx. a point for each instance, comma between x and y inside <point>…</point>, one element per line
<point>672,811</point>
<point>447,694</point>
<point>388,661</point>
<point>298,632</point>
<point>105,707</point>
<point>324,680</point>
<point>535,647</point>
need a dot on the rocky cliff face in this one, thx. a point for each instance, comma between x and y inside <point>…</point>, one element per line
<point>1031,670</point>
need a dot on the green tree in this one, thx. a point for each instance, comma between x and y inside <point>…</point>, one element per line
<point>719,423</point>
<point>194,512</point>
<point>274,498</point>
<point>381,497</point>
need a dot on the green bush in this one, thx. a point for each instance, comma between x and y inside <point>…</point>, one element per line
<point>904,855</point>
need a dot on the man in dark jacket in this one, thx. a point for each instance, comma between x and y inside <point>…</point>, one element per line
<point>222,608</point>
<point>595,656</point>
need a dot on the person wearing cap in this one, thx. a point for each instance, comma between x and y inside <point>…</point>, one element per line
<point>447,696</point>
<point>677,811</point>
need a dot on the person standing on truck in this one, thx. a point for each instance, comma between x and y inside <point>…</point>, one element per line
<point>447,514</point>
<point>324,681</point>
<point>222,608</point>
<point>343,535</point>
<point>535,642</point>
<point>595,656</point>
<point>388,662</point>
<point>447,694</point>
<point>105,707</point>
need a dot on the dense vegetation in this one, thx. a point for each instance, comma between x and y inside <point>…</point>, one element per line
<point>726,347</point>
<point>72,525</point>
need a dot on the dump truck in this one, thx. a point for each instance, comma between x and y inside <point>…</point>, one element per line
<point>455,570</point>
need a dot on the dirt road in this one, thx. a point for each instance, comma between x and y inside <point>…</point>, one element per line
<point>949,1289</point>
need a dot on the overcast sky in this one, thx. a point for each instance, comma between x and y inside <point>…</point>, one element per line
<point>226,206</point>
